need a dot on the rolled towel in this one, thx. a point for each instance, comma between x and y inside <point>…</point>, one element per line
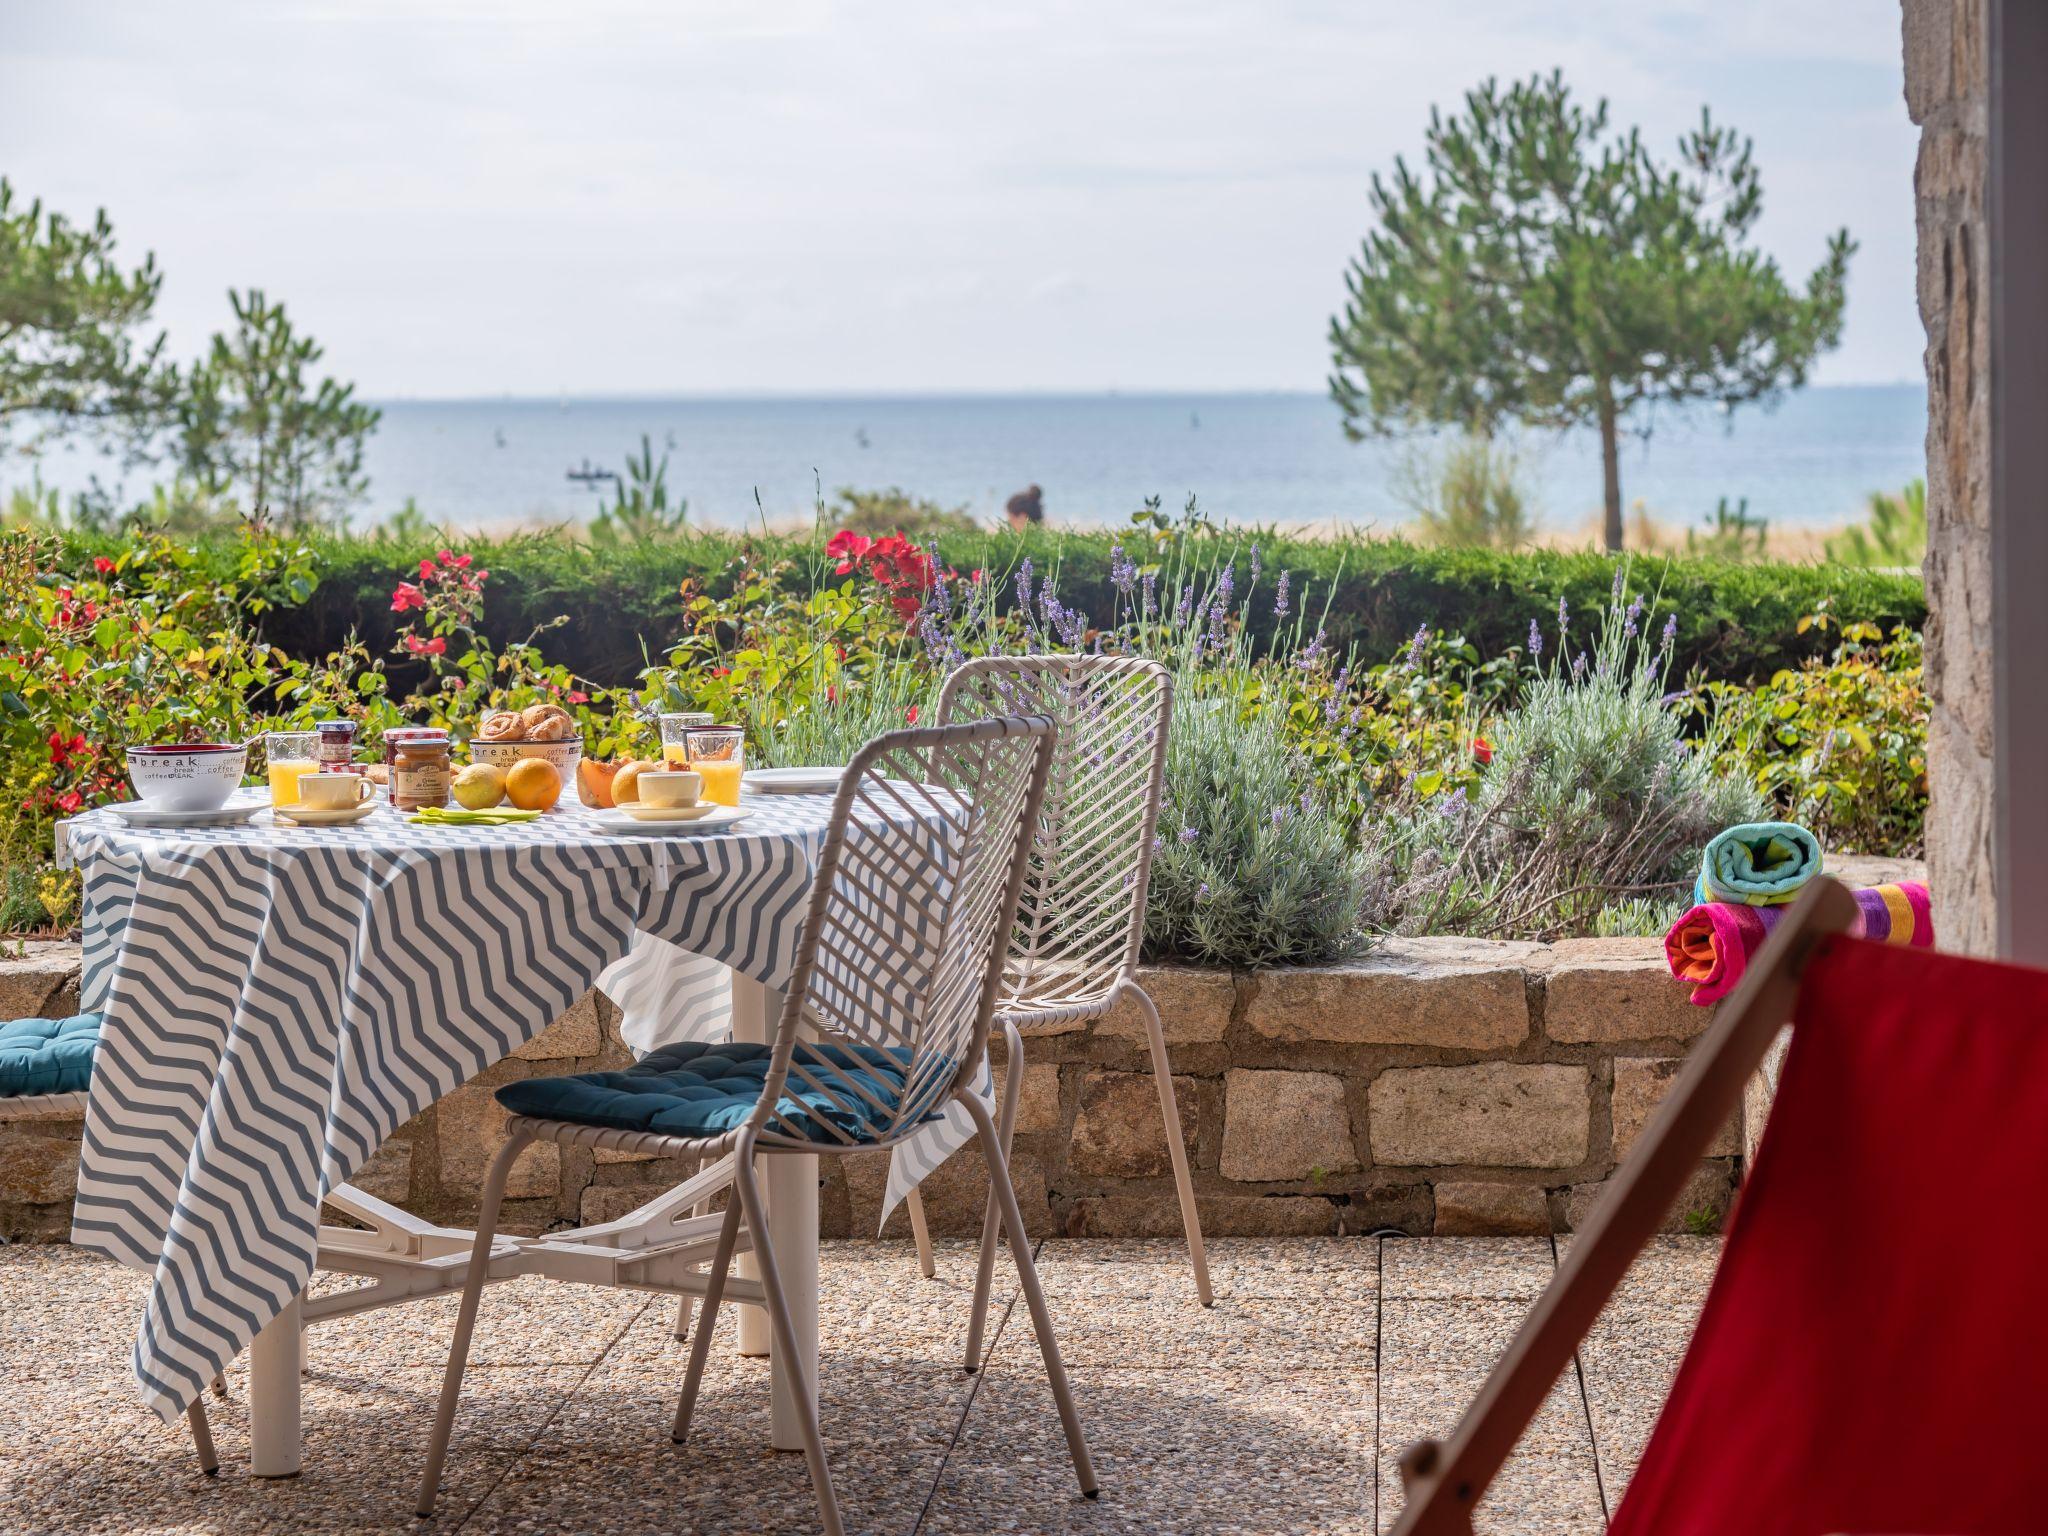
<point>1710,946</point>
<point>1759,864</point>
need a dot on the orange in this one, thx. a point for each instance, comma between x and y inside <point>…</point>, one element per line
<point>626,782</point>
<point>533,784</point>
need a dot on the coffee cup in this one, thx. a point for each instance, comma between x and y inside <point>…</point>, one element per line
<point>670,788</point>
<point>334,791</point>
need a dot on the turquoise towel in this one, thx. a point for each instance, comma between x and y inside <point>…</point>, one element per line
<point>1758,864</point>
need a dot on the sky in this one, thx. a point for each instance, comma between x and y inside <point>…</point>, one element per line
<point>797,197</point>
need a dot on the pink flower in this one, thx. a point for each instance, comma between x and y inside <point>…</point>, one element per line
<point>426,570</point>
<point>434,647</point>
<point>578,696</point>
<point>407,596</point>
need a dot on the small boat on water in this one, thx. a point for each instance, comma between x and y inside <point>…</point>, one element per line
<point>590,474</point>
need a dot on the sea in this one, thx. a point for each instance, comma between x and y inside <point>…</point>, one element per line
<point>1277,459</point>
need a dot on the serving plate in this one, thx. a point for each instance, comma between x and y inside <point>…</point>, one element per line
<point>140,813</point>
<point>792,781</point>
<point>716,819</point>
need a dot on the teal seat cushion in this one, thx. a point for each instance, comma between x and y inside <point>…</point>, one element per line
<point>47,1055</point>
<point>705,1090</point>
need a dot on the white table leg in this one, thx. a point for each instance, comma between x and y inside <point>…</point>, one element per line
<point>755,1009</point>
<point>274,1361</point>
<point>791,1188</point>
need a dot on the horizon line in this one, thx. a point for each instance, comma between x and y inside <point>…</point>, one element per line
<point>825,396</point>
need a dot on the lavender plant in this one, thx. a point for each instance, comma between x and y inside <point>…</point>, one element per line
<point>1594,797</point>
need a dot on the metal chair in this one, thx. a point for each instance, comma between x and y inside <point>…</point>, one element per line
<point>1074,950</point>
<point>64,1106</point>
<point>897,971</point>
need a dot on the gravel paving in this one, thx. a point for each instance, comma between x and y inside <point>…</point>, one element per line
<point>1282,1409</point>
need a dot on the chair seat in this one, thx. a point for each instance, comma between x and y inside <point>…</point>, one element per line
<point>39,1056</point>
<point>703,1091</point>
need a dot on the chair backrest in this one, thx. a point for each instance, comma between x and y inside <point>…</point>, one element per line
<point>900,963</point>
<point>1082,916</point>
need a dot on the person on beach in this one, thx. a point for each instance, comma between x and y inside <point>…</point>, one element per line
<point>1026,508</point>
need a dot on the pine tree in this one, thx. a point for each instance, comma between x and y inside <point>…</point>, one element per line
<point>1538,271</point>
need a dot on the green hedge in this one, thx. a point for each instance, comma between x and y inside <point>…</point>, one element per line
<point>1736,621</point>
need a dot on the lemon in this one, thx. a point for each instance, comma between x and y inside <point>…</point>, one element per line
<point>479,787</point>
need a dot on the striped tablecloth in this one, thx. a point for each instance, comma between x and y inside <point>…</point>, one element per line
<point>279,1000</point>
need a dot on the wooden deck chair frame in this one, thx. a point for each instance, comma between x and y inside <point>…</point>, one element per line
<point>1445,1480</point>
<point>55,1106</point>
<point>1081,923</point>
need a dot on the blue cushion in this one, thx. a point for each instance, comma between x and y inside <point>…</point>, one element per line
<point>47,1055</point>
<point>701,1090</point>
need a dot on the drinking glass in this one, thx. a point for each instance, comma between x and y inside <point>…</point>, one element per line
<point>718,752</point>
<point>675,736</point>
<point>291,755</point>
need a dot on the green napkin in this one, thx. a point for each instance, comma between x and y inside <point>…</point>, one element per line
<point>443,816</point>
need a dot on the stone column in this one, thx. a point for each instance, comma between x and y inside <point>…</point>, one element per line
<point>1947,80</point>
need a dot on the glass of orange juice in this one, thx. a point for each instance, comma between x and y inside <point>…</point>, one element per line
<point>675,737</point>
<point>718,752</point>
<point>291,756</point>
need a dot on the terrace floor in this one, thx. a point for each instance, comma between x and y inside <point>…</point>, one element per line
<point>1281,1410</point>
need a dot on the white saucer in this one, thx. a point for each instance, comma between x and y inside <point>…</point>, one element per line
<point>306,816</point>
<point>140,813</point>
<point>639,810</point>
<point>793,781</point>
<point>716,819</point>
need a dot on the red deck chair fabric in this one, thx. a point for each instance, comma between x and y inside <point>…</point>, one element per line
<point>1873,1354</point>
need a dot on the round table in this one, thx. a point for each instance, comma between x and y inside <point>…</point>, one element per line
<point>278,1000</point>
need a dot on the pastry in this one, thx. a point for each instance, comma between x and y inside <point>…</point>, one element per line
<point>548,722</point>
<point>502,725</point>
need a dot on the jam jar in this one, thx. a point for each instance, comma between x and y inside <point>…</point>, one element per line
<point>421,767</point>
<point>335,746</point>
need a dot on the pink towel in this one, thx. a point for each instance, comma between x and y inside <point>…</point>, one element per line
<point>1711,944</point>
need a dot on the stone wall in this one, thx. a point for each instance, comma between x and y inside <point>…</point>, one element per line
<point>1946,94</point>
<point>1440,1085</point>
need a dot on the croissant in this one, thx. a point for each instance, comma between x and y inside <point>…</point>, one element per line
<point>502,725</point>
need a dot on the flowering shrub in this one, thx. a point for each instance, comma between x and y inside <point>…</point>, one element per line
<point>1841,745</point>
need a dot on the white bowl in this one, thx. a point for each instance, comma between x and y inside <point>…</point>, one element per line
<point>188,777</point>
<point>565,755</point>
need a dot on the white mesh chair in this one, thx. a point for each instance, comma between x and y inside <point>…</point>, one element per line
<point>1081,919</point>
<point>69,1106</point>
<point>886,1023</point>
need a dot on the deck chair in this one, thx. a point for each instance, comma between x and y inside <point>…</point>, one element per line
<point>45,1073</point>
<point>1855,1369</point>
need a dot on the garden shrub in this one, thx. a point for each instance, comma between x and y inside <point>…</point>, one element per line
<point>1592,795</point>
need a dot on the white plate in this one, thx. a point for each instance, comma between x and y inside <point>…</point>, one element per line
<point>793,781</point>
<point>140,813</point>
<point>306,816</point>
<point>641,811</point>
<point>720,817</point>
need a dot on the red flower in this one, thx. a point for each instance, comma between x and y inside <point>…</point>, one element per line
<point>910,714</point>
<point>1482,750</point>
<point>460,562</point>
<point>446,557</point>
<point>426,570</point>
<point>578,696</point>
<point>63,747</point>
<point>434,647</point>
<point>71,802</point>
<point>407,595</point>
<point>848,548</point>
<point>103,565</point>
